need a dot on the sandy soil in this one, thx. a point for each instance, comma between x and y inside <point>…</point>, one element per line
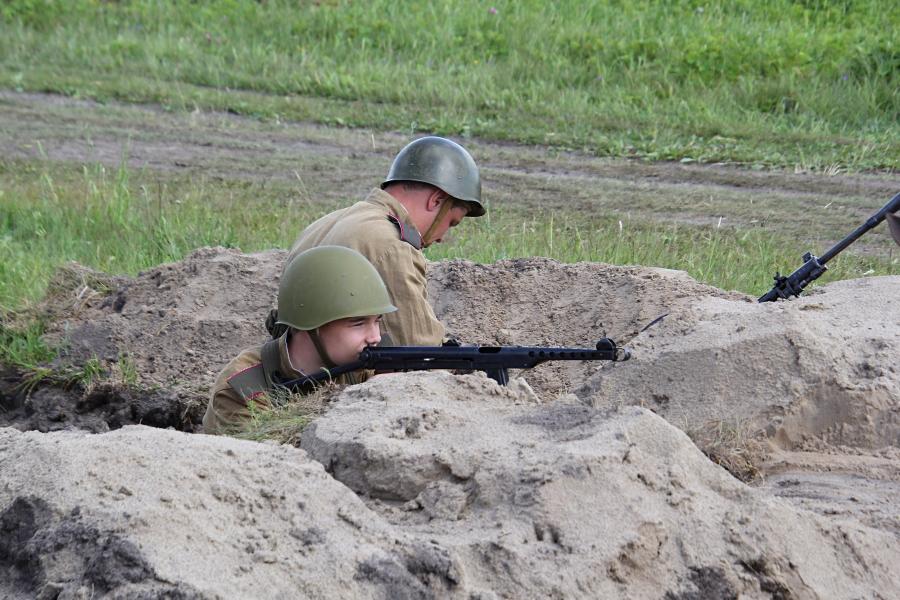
<point>433,486</point>
<point>817,375</point>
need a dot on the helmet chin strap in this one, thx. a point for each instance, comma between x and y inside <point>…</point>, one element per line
<point>442,212</point>
<point>320,348</point>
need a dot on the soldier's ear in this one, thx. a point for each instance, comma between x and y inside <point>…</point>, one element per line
<point>435,199</point>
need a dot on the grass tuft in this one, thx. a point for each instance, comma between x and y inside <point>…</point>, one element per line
<point>285,421</point>
<point>22,345</point>
<point>732,446</point>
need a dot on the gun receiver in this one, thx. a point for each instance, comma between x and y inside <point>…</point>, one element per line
<point>813,266</point>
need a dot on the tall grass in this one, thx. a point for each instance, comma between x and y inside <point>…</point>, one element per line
<point>119,221</point>
<point>728,258</point>
<point>811,83</point>
<point>103,219</point>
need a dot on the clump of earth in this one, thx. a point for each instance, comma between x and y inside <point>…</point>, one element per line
<point>576,480</point>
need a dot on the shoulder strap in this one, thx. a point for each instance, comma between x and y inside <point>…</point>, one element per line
<point>249,383</point>
<point>408,233</point>
<point>261,377</point>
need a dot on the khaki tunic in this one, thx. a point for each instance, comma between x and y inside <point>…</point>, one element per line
<point>228,409</point>
<point>365,228</point>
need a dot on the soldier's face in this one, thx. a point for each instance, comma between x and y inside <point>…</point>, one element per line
<point>453,218</point>
<point>344,339</point>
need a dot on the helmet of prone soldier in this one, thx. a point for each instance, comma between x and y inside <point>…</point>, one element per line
<point>328,283</point>
<point>444,164</point>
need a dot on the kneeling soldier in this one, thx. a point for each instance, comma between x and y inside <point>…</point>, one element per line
<point>331,300</point>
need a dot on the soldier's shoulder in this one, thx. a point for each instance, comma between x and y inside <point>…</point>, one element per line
<point>380,231</point>
<point>369,215</point>
<point>248,360</point>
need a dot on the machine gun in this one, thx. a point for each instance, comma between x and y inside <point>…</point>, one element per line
<point>813,266</point>
<point>493,360</point>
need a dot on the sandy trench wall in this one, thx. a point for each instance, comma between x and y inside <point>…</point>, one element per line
<point>177,324</point>
<point>147,513</point>
<point>575,500</point>
<point>539,301</point>
<point>180,322</point>
<point>439,485</point>
<point>455,488</point>
<point>822,366</point>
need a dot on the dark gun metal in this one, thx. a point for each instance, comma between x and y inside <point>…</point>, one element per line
<point>813,266</point>
<point>493,360</point>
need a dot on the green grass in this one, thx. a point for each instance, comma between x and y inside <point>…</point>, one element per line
<point>728,258</point>
<point>812,83</point>
<point>22,345</point>
<point>122,221</point>
<point>109,221</point>
<point>286,418</point>
<point>119,221</point>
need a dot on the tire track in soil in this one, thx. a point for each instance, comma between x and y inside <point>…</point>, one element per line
<point>338,164</point>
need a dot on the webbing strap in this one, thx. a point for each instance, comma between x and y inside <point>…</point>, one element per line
<point>320,348</point>
<point>442,212</point>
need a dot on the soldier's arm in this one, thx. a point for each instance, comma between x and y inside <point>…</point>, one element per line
<point>225,410</point>
<point>414,324</point>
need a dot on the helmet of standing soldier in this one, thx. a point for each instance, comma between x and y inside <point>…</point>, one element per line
<point>444,164</point>
<point>328,283</point>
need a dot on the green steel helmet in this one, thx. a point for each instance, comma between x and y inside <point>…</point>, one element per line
<point>442,163</point>
<point>328,283</point>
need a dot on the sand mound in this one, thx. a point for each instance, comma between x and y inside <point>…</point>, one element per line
<point>538,301</point>
<point>178,323</point>
<point>438,485</point>
<point>823,366</point>
<point>148,513</point>
<point>471,491</point>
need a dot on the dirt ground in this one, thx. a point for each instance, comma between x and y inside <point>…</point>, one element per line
<point>815,379</point>
<point>492,481</point>
<point>319,161</point>
<point>423,485</point>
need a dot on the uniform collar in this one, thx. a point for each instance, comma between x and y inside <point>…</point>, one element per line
<point>398,215</point>
<point>382,198</point>
<point>284,359</point>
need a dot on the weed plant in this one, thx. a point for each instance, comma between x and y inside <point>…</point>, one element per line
<point>808,84</point>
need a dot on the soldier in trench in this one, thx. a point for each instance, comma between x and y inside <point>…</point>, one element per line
<point>330,304</point>
<point>432,185</point>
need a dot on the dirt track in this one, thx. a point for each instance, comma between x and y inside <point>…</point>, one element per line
<point>336,164</point>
